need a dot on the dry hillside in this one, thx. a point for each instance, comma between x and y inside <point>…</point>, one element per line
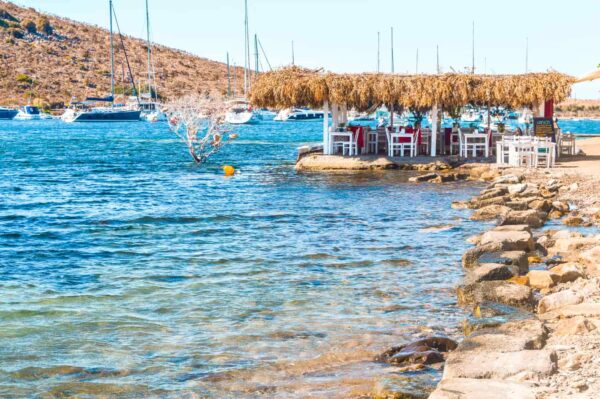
<point>51,59</point>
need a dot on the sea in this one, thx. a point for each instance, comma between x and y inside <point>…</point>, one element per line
<point>128,271</point>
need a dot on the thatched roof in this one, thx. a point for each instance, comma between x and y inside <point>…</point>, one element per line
<point>293,86</point>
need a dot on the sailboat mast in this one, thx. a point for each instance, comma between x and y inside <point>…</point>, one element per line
<point>527,55</point>
<point>378,52</point>
<point>417,66</point>
<point>473,49</point>
<point>246,50</point>
<point>392,34</point>
<point>293,56</point>
<point>228,77</point>
<point>437,56</point>
<point>148,44</point>
<point>255,55</point>
<point>112,53</point>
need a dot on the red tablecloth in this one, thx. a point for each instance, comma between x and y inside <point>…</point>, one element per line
<point>358,131</point>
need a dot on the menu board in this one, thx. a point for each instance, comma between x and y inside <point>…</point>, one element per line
<point>543,127</point>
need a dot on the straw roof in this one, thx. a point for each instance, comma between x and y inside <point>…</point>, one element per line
<point>294,86</point>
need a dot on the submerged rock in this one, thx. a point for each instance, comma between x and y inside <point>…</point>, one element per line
<point>424,351</point>
<point>513,336</point>
<point>496,291</point>
<point>490,212</point>
<point>491,271</point>
<point>474,388</point>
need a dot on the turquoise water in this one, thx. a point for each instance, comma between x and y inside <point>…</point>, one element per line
<point>127,271</point>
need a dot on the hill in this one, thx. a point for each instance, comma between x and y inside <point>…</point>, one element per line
<point>50,59</point>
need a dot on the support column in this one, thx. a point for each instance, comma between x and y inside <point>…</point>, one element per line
<point>434,130</point>
<point>326,143</point>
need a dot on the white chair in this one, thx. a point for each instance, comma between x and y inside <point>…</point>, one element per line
<point>425,139</point>
<point>503,149</point>
<point>372,143</point>
<point>544,151</point>
<point>343,141</point>
<point>400,142</point>
<point>521,152</point>
<point>472,143</point>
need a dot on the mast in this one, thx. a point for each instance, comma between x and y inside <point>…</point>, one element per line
<point>473,50</point>
<point>293,60</point>
<point>234,80</point>
<point>392,34</point>
<point>527,55</point>
<point>437,55</point>
<point>228,77</point>
<point>246,50</point>
<point>417,66</point>
<point>148,44</point>
<point>378,52</point>
<point>255,55</point>
<point>112,53</point>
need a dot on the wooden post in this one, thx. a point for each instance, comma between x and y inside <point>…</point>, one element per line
<point>434,130</point>
<point>326,143</point>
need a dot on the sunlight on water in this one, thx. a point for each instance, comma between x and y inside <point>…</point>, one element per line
<point>127,271</point>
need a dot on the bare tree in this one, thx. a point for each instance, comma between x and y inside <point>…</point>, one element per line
<point>199,121</point>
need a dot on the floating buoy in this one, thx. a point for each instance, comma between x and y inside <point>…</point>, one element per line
<point>229,170</point>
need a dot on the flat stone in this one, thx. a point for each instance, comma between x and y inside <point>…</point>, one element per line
<point>490,212</point>
<point>558,300</point>
<point>566,272</point>
<point>541,279</point>
<point>513,336</point>
<point>530,217</point>
<point>516,188</point>
<point>511,240</point>
<point>573,221</point>
<point>584,309</point>
<point>424,351</point>
<point>517,205</point>
<point>513,227</point>
<point>541,205</point>
<point>493,192</point>
<point>573,244</point>
<point>471,256</point>
<point>561,206</point>
<point>491,271</point>
<point>423,178</point>
<point>522,365</point>
<point>496,291</point>
<point>480,203</point>
<point>574,326</point>
<point>507,179</point>
<point>473,388</point>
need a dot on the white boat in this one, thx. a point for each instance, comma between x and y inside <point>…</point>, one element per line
<point>298,114</point>
<point>470,116</point>
<point>85,112</point>
<point>240,113</point>
<point>28,113</point>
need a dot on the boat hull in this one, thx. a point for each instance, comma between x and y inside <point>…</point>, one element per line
<point>8,114</point>
<point>115,116</point>
<point>241,118</point>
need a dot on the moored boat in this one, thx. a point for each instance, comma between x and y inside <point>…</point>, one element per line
<point>7,113</point>
<point>28,113</point>
<point>240,113</point>
<point>298,114</point>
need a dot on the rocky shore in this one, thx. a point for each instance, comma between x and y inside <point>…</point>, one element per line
<point>534,293</point>
<point>534,331</point>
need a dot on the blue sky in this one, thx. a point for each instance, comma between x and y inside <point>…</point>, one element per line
<point>341,35</point>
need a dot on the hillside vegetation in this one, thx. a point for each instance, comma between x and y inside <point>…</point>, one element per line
<point>48,60</point>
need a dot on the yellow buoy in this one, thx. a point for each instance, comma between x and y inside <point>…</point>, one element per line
<point>229,170</point>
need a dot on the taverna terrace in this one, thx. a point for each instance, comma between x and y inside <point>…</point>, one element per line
<point>419,94</point>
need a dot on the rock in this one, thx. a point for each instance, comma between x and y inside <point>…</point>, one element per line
<point>573,220</point>
<point>566,234</point>
<point>558,300</point>
<point>491,271</point>
<point>493,192</point>
<point>473,388</point>
<point>574,362</point>
<point>574,187</point>
<point>423,178</point>
<point>530,217</point>
<point>471,256</point>
<point>507,179</point>
<point>474,239</point>
<point>414,386</point>
<point>513,227</point>
<point>479,203</point>
<point>566,272</point>
<point>496,291</point>
<point>584,309</point>
<point>460,204</point>
<point>541,279</point>
<point>511,240</point>
<point>517,205</point>
<point>574,326</point>
<point>561,206</point>
<point>444,178</point>
<point>541,205</point>
<point>520,280</point>
<point>516,188</point>
<point>513,336</point>
<point>424,351</point>
<point>569,245</point>
<point>514,258</point>
<point>554,214</point>
<point>522,365</point>
<point>591,258</point>
<point>490,212</point>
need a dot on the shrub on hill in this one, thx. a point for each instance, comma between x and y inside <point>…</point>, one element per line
<point>43,26</point>
<point>7,16</point>
<point>29,26</point>
<point>24,78</point>
<point>16,33</point>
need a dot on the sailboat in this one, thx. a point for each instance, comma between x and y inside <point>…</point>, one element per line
<point>240,111</point>
<point>149,105</point>
<point>84,112</point>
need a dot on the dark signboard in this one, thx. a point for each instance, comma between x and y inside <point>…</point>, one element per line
<point>543,127</point>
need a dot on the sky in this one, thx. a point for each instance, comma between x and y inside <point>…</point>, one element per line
<point>341,35</point>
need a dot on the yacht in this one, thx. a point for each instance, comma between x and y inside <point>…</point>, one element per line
<point>298,114</point>
<point>28,113</point>
<point>240,113</point>
<point>7,113</point>
<point>84,112</point>
<point>470,116</point>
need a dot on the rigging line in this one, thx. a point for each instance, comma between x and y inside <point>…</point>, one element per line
<point>264,54</point>
<point>126,58</point>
